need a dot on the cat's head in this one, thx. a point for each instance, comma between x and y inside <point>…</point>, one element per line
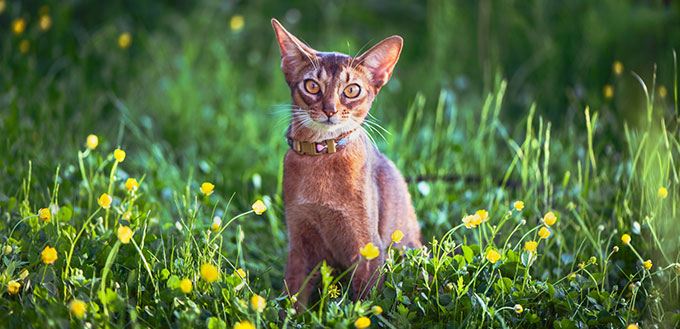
<point>333,92</point>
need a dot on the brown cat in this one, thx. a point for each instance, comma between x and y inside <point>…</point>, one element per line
<point>340,192</point>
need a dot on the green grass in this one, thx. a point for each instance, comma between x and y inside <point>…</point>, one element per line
<point>188,106</point>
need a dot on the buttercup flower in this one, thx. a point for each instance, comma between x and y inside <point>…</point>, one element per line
<point>471,221</point>
<point>7,249</point>
<point>397,236</point>
<point>23,274</point>
<point>44,215</point>
<point>483,214</point>
<point>369,251</point>
<point>625,239</point>
<point>632,326</point>
<point>105,201</point>
<point>259,207</point>
<point>544,232</point>
<point>236,23</point>
<point>376,309</point>
<point>209,273</point>
<point>519,205</point>
<point>662,192</point>
<point>207,188</point>
<point>617,67</point>
<point>216,224</point>
<point>530,246</point>
<point>45,22</point>
<point>518,308</point>
<point>124,40</point>
<point>119,155</point>
<point>125,234</point>
<point>362,322</point>
<point>258,303</point>
<point>493,256</point>
<point>92,141</point>
<point>333,291</point>
<point>18,26</point>
<point>647,264</point>
<point>244,325</point>
<point>549,218</point>
<point>240,273</point>
<point>49,255</point>
<point>131,184</point>
<point>77,308</point>
<point>186,286</point>
<point>13,287</point>
<point>608,91</point>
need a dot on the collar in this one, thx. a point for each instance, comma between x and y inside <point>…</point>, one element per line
<point>317,148</point>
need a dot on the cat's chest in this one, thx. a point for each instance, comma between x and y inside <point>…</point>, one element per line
<point>338,178</point>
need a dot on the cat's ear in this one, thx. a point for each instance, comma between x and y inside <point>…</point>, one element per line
<point>293,51</point>
<point>380,59</point>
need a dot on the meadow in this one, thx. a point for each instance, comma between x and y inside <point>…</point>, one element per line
<point>141,148</point>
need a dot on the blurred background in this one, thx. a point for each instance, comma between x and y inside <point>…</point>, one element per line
<point>192,90</point>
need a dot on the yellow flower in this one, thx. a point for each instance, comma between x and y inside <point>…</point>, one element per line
<point>369,251</point>
<point>126,215</point>
<point>105,201</point>
<point>7,249</point>
<point>518,308</point>
<point>207,188</point>
<point>209,273</point>
<point>236,23</point>
<point>19,26</point>
<point>13,287</point>
<point>258,303</point>
<point>617,67</point>
<point>259,207</point>
<point>2,6</point>
<point>376,310</point>
<point>625,239</point>
<point>216,224</point>
<point>244,325</point>
<point>397,236</point>
<point>662,91</point>
<point>549,218</point>
<point>119,155</point>
<point>24,46</point>
<point>92,141</point>
<point>648,264</point>
<point>124,40</point>
<point>45,22</point>
<point>471,221</point>
<point>77,308</point>
<point>131,184</point>
<point>493,256</point>
<point>530,246</point>
<point>23,274</point>
<point>333,291</point>
<point>519,205</point>
<point>362,322</point>
<point>632,326</point>
<point>125,234</point>
<point>483,214</point>
<point>49,255</point>
<point>662,192</point>
<point>240,273</point>
<point>608,91</point>
<point>44,215</point>
<point>544,232</point>
<point>185,285</point>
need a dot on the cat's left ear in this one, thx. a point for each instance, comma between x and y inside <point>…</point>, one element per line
<point>293,51</point>
<point>380,59</point>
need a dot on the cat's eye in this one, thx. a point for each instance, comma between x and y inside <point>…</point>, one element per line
<point>352,90</point>
<point>312,87</point>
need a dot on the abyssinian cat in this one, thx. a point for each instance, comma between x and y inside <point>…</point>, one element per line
<point>340,192</point>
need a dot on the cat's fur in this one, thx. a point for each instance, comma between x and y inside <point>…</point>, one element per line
<point>337,203</point>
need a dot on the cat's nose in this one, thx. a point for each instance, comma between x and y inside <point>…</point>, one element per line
<point>330,111</point>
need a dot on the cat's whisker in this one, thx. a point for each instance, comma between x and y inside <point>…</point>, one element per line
<point>372,129</point>
<point>377,125</point>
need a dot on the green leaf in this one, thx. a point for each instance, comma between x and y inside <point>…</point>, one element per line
<point>468,254</point>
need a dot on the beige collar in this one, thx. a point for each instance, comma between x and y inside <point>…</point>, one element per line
<point>317,148</point>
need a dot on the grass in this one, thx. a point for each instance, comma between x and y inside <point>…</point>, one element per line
<point>189,112</point>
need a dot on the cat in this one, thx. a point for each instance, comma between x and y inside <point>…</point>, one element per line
<point>340,192</point>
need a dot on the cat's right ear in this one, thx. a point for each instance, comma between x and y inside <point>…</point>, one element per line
<point>293,51</point>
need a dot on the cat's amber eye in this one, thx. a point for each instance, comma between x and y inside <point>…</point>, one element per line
<point>352,90</point>
<point>312,87</point>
